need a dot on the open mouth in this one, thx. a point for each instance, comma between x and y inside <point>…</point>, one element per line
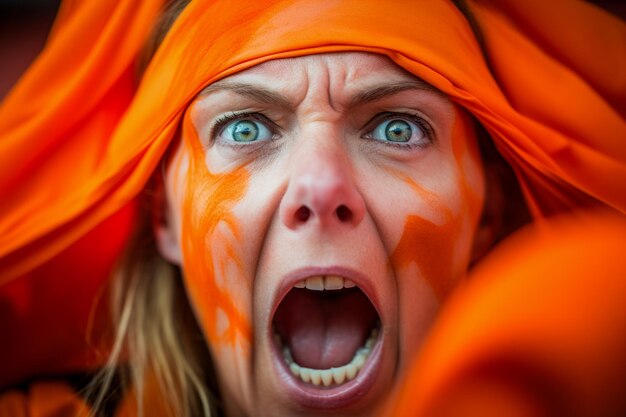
<point>325,327</point>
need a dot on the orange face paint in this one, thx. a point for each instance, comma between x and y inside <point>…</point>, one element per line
<point>207,218</point>
<point>428,245</point>
<point>432,247</point>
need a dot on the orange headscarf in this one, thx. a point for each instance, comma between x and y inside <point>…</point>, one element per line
<point>78,145</point>
<point>80,140</point>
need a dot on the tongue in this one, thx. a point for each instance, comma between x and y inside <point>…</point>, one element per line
<point>324,328</point>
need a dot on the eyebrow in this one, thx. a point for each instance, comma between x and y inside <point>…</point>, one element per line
<point>263,95</point>
<point>387,90</point>
<point>254,92</point>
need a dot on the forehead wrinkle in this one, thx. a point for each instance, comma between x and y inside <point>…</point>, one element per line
<point>251,91</point>
<point>387,90</point>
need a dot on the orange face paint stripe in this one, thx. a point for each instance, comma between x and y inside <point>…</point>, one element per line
<point>208,202</point>
<point>429,246</point>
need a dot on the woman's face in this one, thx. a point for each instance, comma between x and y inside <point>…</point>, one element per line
<point>321,209</point>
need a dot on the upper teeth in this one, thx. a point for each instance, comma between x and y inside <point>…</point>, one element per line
<point>325,282</point>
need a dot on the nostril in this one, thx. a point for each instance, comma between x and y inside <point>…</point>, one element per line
<point>303,214</point>
<point>344,213</point>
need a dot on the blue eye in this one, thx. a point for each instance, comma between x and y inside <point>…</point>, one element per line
<point>245,130</point>
<point>399,131</point>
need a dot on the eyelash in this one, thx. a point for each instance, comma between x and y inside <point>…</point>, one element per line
<point>413,117</point>
<point>222,121</point>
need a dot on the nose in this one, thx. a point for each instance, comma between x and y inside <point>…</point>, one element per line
<point>321,191</point>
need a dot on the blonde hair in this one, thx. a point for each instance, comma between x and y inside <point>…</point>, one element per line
<point>159,358</point>
<point>158,347</point>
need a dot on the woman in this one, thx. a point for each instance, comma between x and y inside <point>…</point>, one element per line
<point>314,93</point>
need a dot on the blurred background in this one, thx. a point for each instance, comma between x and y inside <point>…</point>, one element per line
<point>24,25</point>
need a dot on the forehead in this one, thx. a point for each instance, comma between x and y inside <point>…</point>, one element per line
<point>350,71</point>
<point>356,64</point>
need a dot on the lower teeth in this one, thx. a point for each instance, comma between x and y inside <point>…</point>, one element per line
<point>331,376</point>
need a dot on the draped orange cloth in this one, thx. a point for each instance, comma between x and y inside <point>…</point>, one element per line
<point>80,138</point>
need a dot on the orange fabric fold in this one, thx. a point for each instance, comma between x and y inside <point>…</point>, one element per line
<point>56,124</point>
<point>560,65</point>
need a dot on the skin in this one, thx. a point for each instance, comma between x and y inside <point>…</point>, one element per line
<point>233,212</point>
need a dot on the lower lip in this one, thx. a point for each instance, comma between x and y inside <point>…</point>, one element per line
<point>345,395</point>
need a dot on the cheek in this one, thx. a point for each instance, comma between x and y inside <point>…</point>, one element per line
<point>467,160</point>
<point>210,241</point>
<point>429,248</point>
<point>436,239</point>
